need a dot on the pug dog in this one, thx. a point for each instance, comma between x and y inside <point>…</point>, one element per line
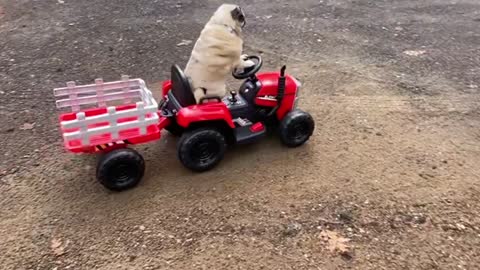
<point>217,52</point>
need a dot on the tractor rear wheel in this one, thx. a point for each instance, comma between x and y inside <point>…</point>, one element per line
<point>201,149</point>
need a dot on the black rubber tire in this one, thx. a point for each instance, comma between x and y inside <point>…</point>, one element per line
<point>120,169</point>
<point>296,128</point>
<point>201,149</point>
<point>175,129</point>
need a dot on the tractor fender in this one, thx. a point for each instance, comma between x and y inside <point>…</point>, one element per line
<point>217,111</point>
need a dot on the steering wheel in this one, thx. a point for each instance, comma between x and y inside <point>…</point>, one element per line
<point>250,71</point>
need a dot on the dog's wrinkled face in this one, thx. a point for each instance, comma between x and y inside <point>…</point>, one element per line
<point>238,16</point>
<point>231,15</point>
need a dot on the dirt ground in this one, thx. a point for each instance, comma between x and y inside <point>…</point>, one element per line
<point>388,181</point>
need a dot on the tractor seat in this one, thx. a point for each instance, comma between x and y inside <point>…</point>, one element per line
<point>181,88</point>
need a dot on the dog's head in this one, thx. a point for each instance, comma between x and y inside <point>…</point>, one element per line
<point>230,15</point>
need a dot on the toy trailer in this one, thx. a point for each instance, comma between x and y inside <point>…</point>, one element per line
<point>104,118</point>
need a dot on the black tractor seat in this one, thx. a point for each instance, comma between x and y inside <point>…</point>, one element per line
<point>181,93</point>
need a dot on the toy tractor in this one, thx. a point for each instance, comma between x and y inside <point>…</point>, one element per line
<point>265,101</point>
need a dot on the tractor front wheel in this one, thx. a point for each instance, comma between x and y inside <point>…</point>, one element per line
<point>296,128</point>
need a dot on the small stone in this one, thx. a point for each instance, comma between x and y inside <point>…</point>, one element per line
<point>420,220</point>
<point>27,126</point>
<point>185,42</point>
<point>379,134</point>
<point>347,255</point>
<point>292,229</point>
<point>395,223</point>
<point>426,176</point>
<point>414,52</point>
<point>131,258</point>
<point>345,216</point>
<point>419,204</point>
<point>141,228</point>
<point>448,227</point>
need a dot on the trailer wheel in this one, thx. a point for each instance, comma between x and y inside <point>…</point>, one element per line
<point>120,169</point>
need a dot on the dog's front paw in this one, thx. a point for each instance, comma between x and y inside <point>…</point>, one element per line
<point>248,63</point>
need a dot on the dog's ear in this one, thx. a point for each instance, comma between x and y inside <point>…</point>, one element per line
<point>239,16</point>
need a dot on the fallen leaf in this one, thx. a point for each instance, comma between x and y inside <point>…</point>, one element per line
<point>335,243</point>
<point>27,126</point>
<point>414,52</point>
<point>57,248</point>
<point>185,42</point>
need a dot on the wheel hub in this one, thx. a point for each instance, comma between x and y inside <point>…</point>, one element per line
<point>298,131</point>
<point>205,151</point>
<point>122,173</point>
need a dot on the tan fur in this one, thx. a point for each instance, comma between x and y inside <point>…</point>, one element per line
<point>216,53</point>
